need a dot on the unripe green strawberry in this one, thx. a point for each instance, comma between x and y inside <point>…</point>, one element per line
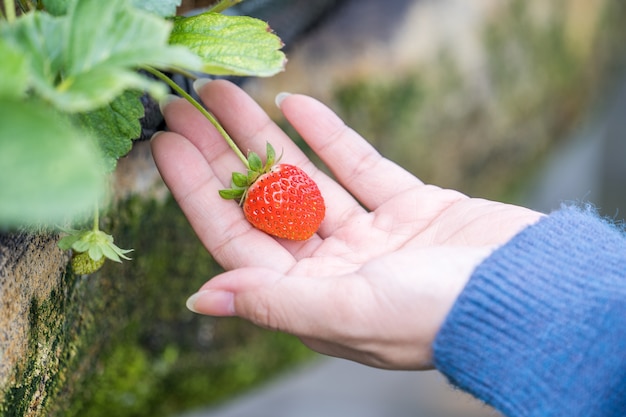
<point>83,264</point>
<point>281,200</point>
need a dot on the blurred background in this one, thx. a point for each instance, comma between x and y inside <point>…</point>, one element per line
<point>475,96</point>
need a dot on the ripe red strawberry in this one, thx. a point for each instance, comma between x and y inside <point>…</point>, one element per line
<point>281,200</point>
<point>285,202</point>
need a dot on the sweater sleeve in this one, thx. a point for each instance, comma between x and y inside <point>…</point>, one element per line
<point>540,328</point>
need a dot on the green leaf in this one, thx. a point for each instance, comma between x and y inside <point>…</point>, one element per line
<point>163,8</point>
<point>252,176</point>
<point>41,36</point>
<point>95,242</point>
<point>114,253</point>
<point>66,242</point>
<point>14,79</point>
<point>98,87</point>
<point>51,171</point>
<point>83,60</point>
<point>95,252</point>
<point>230,45</point>
<point>239,179</point>
<point>107,54</point>
<point>255,163</point>
<point>56,7</point>
<point>231,194</point>
<point>123,37</point>
<point>114,126</point>
<point>271,156</point>
<point>81,245</point>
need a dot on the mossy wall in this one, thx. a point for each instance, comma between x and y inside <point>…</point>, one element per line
<point>31,273</point>
<point>120,342</point>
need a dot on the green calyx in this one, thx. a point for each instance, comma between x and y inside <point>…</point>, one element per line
<point>241,182</point>
<point>96,243</point>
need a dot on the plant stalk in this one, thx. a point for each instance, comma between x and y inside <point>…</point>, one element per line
<point>202,110</point>
<point>25,6</point>
<point>9,10</point>
<point>184,73</point>
<point>222,5</point>
<point>96,218</point>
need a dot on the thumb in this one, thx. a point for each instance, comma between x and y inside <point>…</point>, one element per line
<point>267,298</point>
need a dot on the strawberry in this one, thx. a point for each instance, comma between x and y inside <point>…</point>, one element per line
<point>83,264</point>
<point>281,200</point>
<point>285,202</point>
<point>90,249</point>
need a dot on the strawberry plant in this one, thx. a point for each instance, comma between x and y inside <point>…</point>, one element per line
<point>71,79</point>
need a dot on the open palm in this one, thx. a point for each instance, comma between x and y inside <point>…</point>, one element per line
<point>376,281</point>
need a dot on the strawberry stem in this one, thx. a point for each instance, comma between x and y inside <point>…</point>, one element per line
<point>202,110</point>
<point>222,5</point>
<point>96,218</point>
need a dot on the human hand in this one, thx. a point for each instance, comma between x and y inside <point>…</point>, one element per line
<point>376,282</point>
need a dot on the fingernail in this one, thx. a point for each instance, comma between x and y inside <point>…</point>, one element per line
<point>212,302</point>
<point>199,83</point>
<point>280,97</point>
<point>157,133</point>
<point>167,99</point>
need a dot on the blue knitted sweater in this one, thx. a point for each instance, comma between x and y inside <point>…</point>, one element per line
<point>540,329</point>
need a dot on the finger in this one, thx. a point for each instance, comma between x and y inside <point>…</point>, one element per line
<point>251,128</point>
<point>294,304</point>
<point>371,178</point>
<point>332,315</point>
<point>219,223</point>
<point>248,124</point>
<point>181,117</point>
<point>221,161</point>
<point>386,314</point>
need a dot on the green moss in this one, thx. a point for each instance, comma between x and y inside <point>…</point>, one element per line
<point>121,342</point>
<point>162,359</point>
<point>18,398</point>
<point>40,378</point>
